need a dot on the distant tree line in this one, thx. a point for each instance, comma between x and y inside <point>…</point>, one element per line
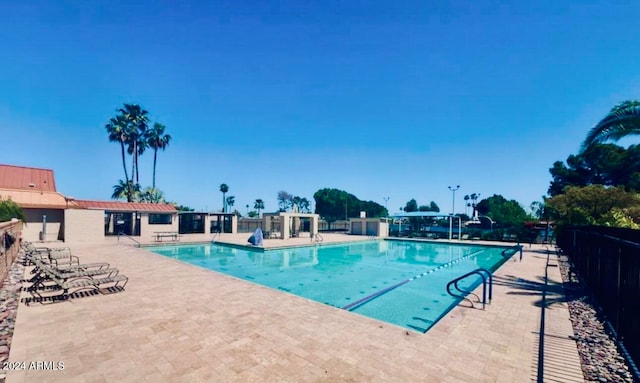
<point>335,204</point>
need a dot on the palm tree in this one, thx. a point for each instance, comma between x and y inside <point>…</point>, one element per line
<point>156,139</point>
<point>623,120</point>
<point>258,205</point>
<point>127,190</point>
<point>285,200</point>
<point>118,132</point>
<point>466,203</point>
<point>305,205</point>
<point>151,195</point>
<point>137,121</point>
<point>231,200</point>
<point>474,199</point>
<point>224,188</point>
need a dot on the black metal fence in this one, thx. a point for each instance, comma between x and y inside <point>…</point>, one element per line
<point>608,260</point>
<point>249,225</point>
<point>338,226</point>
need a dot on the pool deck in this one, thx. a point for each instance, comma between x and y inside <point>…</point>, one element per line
<point>180,323</point>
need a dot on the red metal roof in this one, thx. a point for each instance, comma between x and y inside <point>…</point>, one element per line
<point>126,206</point>
<point>25,178</point>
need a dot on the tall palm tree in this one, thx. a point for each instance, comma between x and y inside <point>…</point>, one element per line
<point>224,188</point>
<point>258,205</point>
<point>137,120</point>
<point>466,204</point>
<point>231,200</point>
<point>118,131</point>
<point>156,139</point>
<point>623,120</point>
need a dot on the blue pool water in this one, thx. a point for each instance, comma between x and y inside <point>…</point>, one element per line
<point>400,282</point>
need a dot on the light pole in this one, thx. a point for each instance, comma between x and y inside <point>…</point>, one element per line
<point>453,209</point>
<point>386,199</point>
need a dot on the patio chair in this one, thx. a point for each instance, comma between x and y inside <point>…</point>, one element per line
<point>68,281</point>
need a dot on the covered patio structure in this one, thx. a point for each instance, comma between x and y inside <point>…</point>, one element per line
<point>289,224</point>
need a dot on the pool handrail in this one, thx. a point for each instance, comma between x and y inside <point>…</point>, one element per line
<point>216,235</point>
<point>483,273</point>
<point>517,248</point>
<point>138,244</point>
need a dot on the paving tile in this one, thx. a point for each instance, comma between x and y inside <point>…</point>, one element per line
<point>180,323</point>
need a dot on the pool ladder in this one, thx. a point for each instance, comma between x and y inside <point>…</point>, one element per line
<point>317,238</point>
<point>487,278</point>
<point>509,252</point>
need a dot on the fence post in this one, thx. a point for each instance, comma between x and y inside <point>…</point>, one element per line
<point>619,284</point>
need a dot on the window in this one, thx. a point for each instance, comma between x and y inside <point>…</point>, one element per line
<point>159,219</point>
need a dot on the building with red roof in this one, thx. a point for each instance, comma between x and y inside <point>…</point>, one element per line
<point>53,216</point>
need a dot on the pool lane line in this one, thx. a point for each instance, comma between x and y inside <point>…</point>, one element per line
<point>362,301</point>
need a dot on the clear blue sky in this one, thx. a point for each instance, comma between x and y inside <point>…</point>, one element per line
<point>395,99</point>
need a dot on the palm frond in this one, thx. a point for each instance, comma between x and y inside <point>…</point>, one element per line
<point>623,120</point>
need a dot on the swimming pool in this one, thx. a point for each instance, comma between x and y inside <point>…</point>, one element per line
<point>400,282</point>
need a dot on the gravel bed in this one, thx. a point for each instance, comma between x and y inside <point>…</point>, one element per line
<point>601,360</point>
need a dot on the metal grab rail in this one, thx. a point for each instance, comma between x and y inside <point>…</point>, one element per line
<point>215,236</point>
<point>317,238</point>
<point>138,244</point>
<point>483,273</point>
<point>515,249</point>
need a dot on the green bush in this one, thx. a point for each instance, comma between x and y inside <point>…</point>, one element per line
<point>9,210</point>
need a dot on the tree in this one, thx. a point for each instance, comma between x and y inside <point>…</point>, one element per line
<point>258,205</point>
<point>474,202</point>
<point>538,208</point>
<point>137,120</point>
<point>623,120</point>
<point>128,129</point>
<point>151,195</point>
<point>603,164</point>
<point>411,206</point>
<point>224,188</point>
<point>431,207</point>
<point>596,205</point>
<point>285,200</point>
<point>304,205</point>
<point>231,200</point>
<point>10,210</point>
<point>128,191</point>
<point>503,211</point>
<point>335,204</point>
<point>156,139</point>
<point>117,129</point>
<point>466,203</point>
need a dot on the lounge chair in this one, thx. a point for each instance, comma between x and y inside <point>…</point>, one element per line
<point>70,278</point>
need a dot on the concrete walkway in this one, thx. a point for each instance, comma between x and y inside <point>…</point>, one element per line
<point>179,323</point>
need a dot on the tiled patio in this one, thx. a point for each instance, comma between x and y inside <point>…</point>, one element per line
<point>180,323</point>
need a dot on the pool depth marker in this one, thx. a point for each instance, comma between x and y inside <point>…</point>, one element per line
<point>362,301</point>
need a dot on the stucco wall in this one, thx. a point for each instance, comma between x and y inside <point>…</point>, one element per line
<point>55,224</point>
<point>369,226</point>
<point>146,230</point>
<point>83,225</point>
